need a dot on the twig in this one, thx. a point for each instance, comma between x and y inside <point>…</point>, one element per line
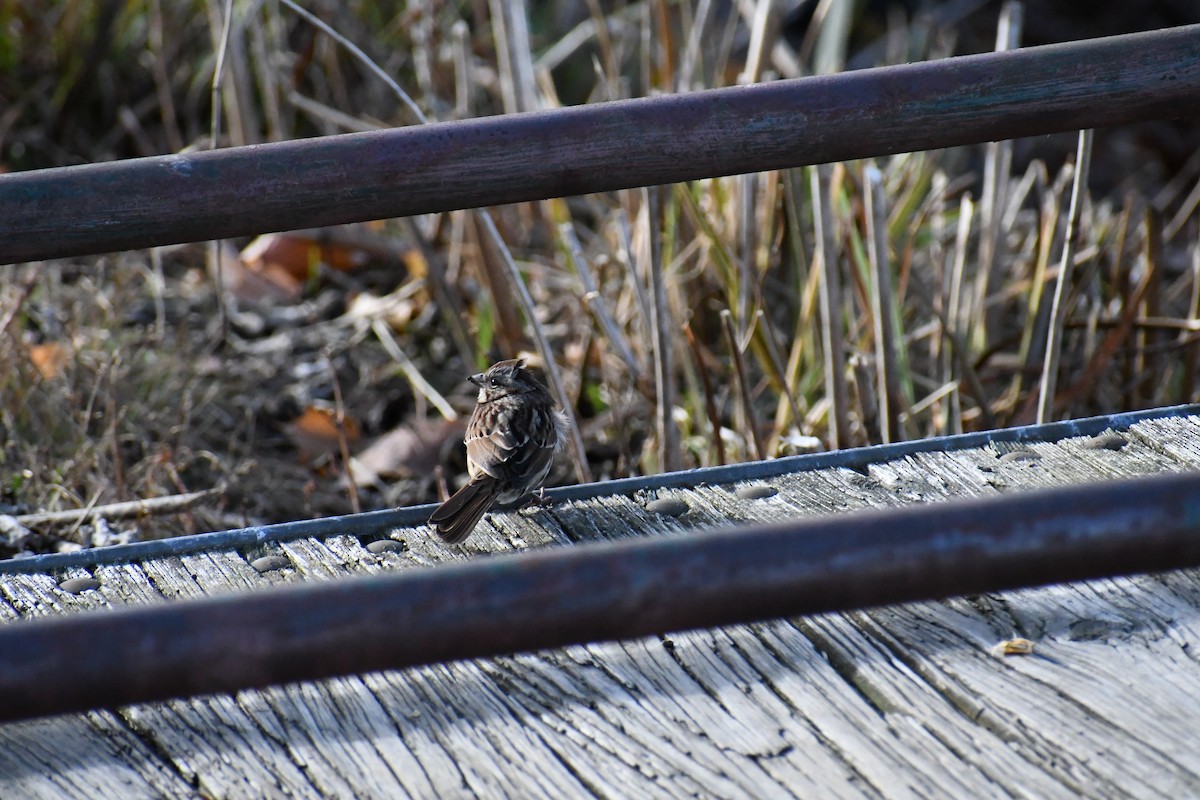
<point>1145,360</point>
<point>594,300</point>
<point>1119,278</point>
<point>447,301</point>
<point>213,249</point>
<point>763,31</point>
<point>1109,345</point>
<point>362,57</point>
<point>691,51</point>
<point>385,337</point>
<point>739,366</point>
<point>1183,214</point>
<point>949,418</point>
<point>664,389</point>
<point>1034,335</point>
<point>339,424</point>
<point>169,504</point>
<point>332,116</point>
<point>1188,381</point>
<point>882,306</point>
<point>162,83</point>
<point>996,168</point>
<point>118,469</point>
<point>1058,312</point>
<point>952,322</point>
<point>710,403</point>
<point>831,307</point>
<point>639,285</point>
<point>775,359</point>
<point>510,29</point>
<point>460,39</point>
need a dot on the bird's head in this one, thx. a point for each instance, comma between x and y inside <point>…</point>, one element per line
<point>504,378</point>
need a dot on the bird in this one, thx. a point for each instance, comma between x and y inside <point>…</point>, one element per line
<point>511,440</point>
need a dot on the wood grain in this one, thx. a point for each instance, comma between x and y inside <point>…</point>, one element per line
<point>897,702</point>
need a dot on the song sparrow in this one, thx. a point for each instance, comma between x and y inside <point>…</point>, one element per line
<point>511,439</point>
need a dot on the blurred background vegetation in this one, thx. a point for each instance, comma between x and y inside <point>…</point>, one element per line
<point>321,372</point>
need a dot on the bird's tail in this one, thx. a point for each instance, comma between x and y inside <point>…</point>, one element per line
<point>458,516</point>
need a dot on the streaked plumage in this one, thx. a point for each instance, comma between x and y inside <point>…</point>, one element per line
<point>511,439</point>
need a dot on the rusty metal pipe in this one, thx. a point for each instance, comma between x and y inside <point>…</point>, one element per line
<point>589,593</point>
<point>160,200</point>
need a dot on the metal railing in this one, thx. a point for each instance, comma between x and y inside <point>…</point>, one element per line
<point>160,200</point>
<point>597,592</point>
<point>374,523</point>
<point>612,590</point>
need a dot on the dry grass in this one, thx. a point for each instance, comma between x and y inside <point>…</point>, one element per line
<point>689,325</point>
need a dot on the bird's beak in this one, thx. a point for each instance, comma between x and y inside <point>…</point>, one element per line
<point>476,379</point>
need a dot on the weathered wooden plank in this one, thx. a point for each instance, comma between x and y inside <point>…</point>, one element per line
<point>205,738</point>
<point>90,755</point>
<point>271,738</point>
<point>898,702</point>
<point>216,745</point>
<point>459,723</point>
<point>300,720</point>
<point>1105,717</point>
<point>1177,437</point>
<point>878,730</point>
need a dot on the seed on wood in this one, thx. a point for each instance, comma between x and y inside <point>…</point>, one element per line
<point>386,546</point>
<point>79,585</point>
<point>669,506</point>
<point>1106,441</point>
<point>756,492</point>
<point>268,563</point>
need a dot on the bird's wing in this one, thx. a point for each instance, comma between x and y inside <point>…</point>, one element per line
<point>521,443</point>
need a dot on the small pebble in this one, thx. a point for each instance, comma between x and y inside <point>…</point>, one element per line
<point>756,492</point>
<point>1020,455</point>
<point>386,546</point>
<point>1106,441</point>
<point>669,506</point>
<point>268,563</point>
<point>79,585</point>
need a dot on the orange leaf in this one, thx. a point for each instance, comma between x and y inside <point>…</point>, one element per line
<point>49,358</point>
<point>282,254</point>
<point>315,432</point>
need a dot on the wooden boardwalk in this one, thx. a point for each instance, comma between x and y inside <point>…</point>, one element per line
<point>897,702</point>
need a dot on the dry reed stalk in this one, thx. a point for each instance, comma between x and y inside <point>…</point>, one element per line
<point>834,349</point>
<point>883,306</point>
<point>1058,312</point>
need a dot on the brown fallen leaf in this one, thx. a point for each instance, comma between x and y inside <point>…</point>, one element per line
<point>299,253</point>
<point>286,261</point>
<point>416,447</point>
<point>258,284</point>
<point>315,432</point>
